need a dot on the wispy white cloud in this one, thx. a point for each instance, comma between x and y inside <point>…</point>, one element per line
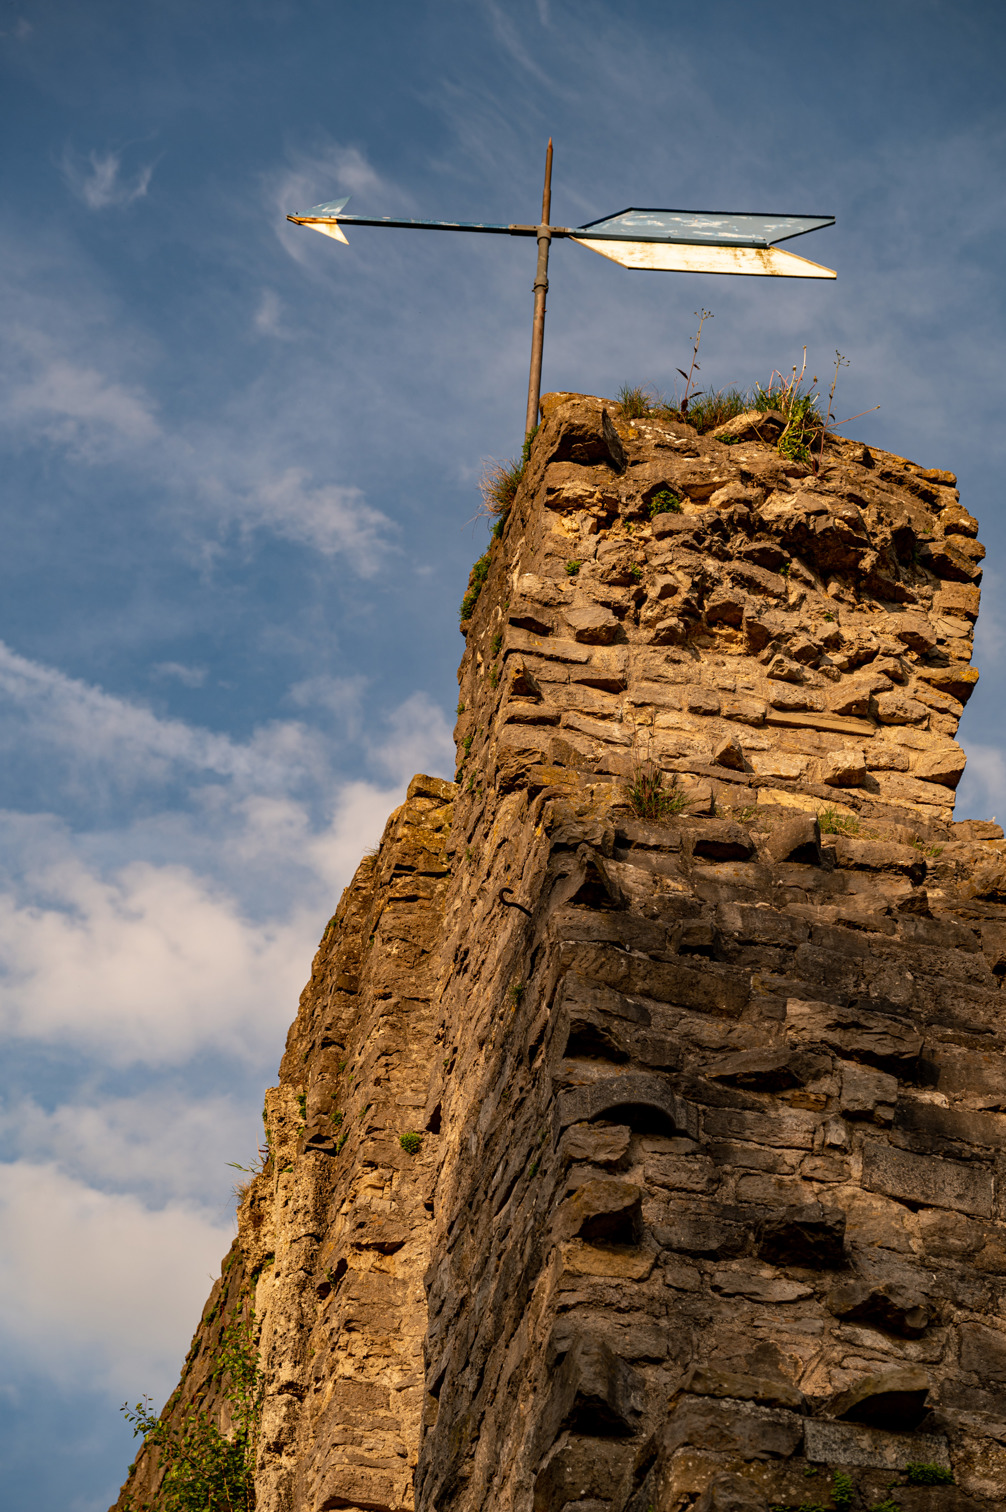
<point>149,964</point>
<point>107,743</point>
<point>99,181</point>
<point>338,696</point>
<point>97,418</point>
<point>353,171</point>
<point>330,517</point>
<point>418,739</point>
<point>510,36</point>
<point>269,316</point>
<point>71,402</point>
<point>72,378</point>
<point>153,961</point>
<point>313,178</point>
<point>357,823</point>
<point>91,728</point>
<point>189,677</point>
<point>78,1270</point>
<point>162,1144</point>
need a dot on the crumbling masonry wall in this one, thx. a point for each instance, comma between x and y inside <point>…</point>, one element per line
<point>334,1236</point>
<point>709,1199</point>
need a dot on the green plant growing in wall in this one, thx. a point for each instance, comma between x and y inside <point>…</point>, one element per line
<point>803,427</point>
<point>919,1473</point>
<point>691,394</point>
<point>573,567</point>
<point>476,579</point>
<point>411,1142</point>
<point>634,401</point>
<point>205,1470</point>
<point>833,823</point>
<point>499,484</point>
<point>843,1491</point>
<point>715,409</point>
<point>649,799</point>
<point>258,1165</point>
<point>664,502</point>
<point>798,408</point>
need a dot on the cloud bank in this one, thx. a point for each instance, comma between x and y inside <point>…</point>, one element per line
<point>176,970</point>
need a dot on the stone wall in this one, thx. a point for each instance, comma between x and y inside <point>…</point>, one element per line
<point>709,1203</point>
<point>334,1236</point>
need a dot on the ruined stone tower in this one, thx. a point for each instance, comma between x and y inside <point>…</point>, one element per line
<point>707,1206</point>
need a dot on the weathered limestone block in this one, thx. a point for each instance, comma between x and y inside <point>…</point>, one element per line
<point>868,1094</point>
<point>592,624</point>
<point>925,1178</point>
<point>844,1444</point>
<point>752,425</point>
<point>845,767</point>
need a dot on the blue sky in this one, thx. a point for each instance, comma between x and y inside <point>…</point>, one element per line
<point>239,475</point>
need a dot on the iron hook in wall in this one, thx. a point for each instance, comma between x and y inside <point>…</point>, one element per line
<point>512,902</point>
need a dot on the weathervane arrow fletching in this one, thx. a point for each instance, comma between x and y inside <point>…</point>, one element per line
<point>672,241</point>
<point>687,241</point>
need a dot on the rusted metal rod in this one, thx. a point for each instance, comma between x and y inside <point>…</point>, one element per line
<point>512,902</point>
<point>540,290</point>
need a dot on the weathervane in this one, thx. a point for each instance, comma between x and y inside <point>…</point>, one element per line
<point>672,241</point>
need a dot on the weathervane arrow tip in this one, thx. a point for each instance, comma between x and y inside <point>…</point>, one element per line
<point>323,218</point>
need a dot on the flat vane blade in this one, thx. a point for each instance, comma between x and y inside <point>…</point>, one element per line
<point>332,207</point>
<point>707,226</point>
<point>327,228</point>
<point>678,257</point>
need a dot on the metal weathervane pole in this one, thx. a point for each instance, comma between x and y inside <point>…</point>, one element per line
<point>540,290</point>
<point>679,241</point>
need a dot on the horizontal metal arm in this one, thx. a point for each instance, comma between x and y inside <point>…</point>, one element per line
<point>515,229</point>
<point>417,225</point>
